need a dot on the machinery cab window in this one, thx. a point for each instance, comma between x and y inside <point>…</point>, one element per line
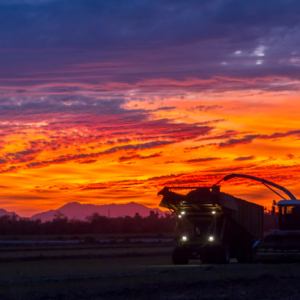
<point>289,217</point>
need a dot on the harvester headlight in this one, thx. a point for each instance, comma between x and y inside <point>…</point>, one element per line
<point>213,212</point>
<point>211,238</point>
<point>183,212</point>
<point>179,216</point>
<point>184,238</point>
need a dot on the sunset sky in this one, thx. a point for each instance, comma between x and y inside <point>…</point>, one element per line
<point>109,101</point>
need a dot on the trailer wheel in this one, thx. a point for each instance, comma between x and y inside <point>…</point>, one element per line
<point>180,256</point>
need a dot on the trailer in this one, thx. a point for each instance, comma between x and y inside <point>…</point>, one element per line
<point>211,225</point>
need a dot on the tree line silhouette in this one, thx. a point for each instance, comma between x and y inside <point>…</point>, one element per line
<point>94,224</point>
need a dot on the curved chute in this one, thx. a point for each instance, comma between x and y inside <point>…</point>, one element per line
<point>263,181</point>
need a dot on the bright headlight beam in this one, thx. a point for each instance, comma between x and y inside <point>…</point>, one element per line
<point>211,238</point>
<point>184,238</point>
<point>183,212</point>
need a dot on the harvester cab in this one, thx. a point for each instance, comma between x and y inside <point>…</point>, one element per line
<point>288,214</point>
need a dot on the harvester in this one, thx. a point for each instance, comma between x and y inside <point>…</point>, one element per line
<point>283,243</point>
<point>214,226</point>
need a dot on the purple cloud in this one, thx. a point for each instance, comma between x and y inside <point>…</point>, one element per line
<point>199,160</point>
<point>78,45</point>
<point>243,158</point>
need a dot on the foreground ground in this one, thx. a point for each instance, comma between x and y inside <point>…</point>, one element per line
<point>144,276</point>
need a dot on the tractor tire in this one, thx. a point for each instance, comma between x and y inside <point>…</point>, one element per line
<point>180,256</point>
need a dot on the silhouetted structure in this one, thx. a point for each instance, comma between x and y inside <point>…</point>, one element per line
<point>213,226</point>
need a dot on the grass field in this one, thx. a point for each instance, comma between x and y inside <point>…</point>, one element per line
<point>96,247</point>
<point>83,252</point>
<point>51,237</point>
<point>133,271</point>
<point>145,277</point>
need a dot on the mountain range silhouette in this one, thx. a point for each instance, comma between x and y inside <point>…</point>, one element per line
<point>75,210</point>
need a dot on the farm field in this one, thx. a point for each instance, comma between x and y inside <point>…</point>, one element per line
<point>69,237</point>
<point>148,276</point>
<point>83,252</point>
<point>85,247</point>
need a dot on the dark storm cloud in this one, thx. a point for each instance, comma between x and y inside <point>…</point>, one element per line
<point>130,42</point>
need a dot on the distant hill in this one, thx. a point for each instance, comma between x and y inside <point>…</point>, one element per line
<point>4,212</point>
<point>81,211</point>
